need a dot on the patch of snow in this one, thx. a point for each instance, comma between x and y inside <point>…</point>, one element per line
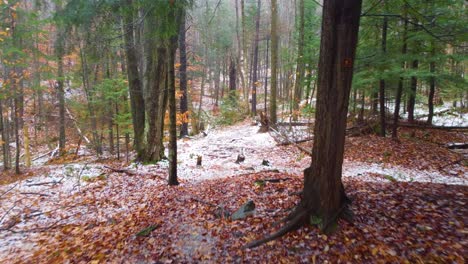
<point>365,170</point>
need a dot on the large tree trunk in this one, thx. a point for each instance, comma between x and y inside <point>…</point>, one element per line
<point>137,102</point>
<point>156,103</point>
<point>183,75</point>
<point>274,61</point>
<point>324,199</point>
<point>324,195</point>
<point>174,18</point>
<point>383,117</point>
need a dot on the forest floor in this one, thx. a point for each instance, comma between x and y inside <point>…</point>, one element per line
<point>409,199</point>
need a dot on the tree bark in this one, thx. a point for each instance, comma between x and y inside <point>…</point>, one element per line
<point>396,114</point>
<point>172,115</point>
<point>5,139</point>
<point>137,102</point>
<point>59,51</point>
<point>183,74</point>
<point>324,199</point>
<point>324,195</point>
<point>300,62</point>
<point>412,94</point>
<point>274,61</point>
<point>383,117</point>
<point>255,61</point>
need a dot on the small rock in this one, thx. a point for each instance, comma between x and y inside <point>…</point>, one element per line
<point>244,211</point>
<point>265,163</point>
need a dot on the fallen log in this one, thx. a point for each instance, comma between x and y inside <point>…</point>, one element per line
<point>131,173</point>
<point>296,141</point>
<point>295,144</point>
<point>294,124</point>
<point>119,170</point>
<point>33,193</point>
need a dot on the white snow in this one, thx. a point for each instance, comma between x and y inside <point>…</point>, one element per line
<point>365,170</point>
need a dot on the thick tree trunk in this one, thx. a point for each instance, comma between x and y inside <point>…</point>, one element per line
<point>156,104</point>
<point>324,199</point>
<point>324,195</point>
<point>383,117</point>
<point>274,61</point>
<point>137,102</point>
<point>183,75</point>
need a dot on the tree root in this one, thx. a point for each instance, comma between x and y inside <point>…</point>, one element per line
<point>290,226</point>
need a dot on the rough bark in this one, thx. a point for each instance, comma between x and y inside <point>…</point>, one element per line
<point>324,199</point>
<point>137,102</point>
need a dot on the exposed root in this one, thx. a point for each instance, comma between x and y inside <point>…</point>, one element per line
<point>295,223</point>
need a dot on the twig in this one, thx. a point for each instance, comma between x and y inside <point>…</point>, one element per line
<point>7,191</point>
<point>33,193</point>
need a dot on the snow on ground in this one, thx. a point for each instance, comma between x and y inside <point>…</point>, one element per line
<point>372,171</point>
<point>444,115</point>
<point>62,193</point>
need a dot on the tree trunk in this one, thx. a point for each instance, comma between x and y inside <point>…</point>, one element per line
<point>172,116</point>
<point>183,75</point>
<point>412,94</point>
<point>59,50</point>
<point>274,61</point>
<point>324,195</point>
<point>396,114</point>
<point>232,79</point>
<point>255,61</point>
<point>383,117</point>
<point>137,102</point>
<point>300,62</point>
<point>324,199</point>
<point>266,74</point>
<point>5,138</point>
